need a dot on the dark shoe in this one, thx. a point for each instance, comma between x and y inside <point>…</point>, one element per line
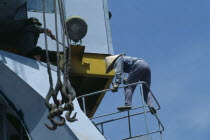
<point>152,110</point>
<point>124,108</point>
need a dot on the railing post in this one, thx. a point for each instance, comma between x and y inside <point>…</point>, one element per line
<point>145,116</point>
<point>129,124</point>
<point>84,107</point>
<point>102,128</point>
<point>159,125</point>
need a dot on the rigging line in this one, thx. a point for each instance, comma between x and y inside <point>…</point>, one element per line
<point>68,57</point>
<point>65,68</point>
<point>51,90</point>
<point>57,42</point>
<point>63,22</point>
<point>68,39</point>
<point>63,40</point>
<point>58,82</point>
<point>65,28</point>
<point>56,109</point>
<point>46,46</point>
<point>64,91</point>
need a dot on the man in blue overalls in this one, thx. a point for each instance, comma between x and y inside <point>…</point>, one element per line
<point>138,70</point>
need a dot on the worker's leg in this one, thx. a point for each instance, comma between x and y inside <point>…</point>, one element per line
<point>139,72</point>
<point>28,40</point>
<point>146,77</point>
<point>128,96</point>
<point>134,76</point>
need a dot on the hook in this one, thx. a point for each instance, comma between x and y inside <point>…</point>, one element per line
<point>63,121</point>
<point>53,123</point>
<point>71,119</point>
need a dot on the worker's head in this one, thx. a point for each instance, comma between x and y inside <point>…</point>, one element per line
<point>33,20</point>
<point>110,60</point>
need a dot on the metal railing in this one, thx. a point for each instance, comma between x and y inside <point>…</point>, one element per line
<point>129,115</point>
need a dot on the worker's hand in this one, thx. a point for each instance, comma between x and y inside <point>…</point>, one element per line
<point>49,32</point>
<point>53,37</point>
<point>115,87</point>
<point>124,81</point>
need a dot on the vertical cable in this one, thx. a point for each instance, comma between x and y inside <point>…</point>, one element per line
<point>68,64</point>
<point>46,46</point>
<point>63,40</point>
<point>57,43</point>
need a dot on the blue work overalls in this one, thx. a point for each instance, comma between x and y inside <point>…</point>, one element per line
<point>138,70</point>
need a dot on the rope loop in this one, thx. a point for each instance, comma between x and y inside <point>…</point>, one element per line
<point>65,88</point>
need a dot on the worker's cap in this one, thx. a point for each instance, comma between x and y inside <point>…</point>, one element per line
<point>110,60</point>
<point>33,20</point>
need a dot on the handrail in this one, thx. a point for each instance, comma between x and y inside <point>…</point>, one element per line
<point>101,91</point>
<point>161,127</point>
<point>98,92</point>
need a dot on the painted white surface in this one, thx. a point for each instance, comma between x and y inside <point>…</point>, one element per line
<point>95,13</point>
<point>35,74</point>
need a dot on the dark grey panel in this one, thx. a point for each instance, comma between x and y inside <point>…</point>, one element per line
<point>8,8</point>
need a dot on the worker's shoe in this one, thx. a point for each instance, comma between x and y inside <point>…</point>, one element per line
<point>124,108</point>
<point>152,110</point>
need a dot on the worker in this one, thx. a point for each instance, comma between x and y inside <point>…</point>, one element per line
<point>138,70</point>
<point>22,36</point>
<point>29,37</point>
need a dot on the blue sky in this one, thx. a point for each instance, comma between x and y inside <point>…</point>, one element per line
<point>173,36</point>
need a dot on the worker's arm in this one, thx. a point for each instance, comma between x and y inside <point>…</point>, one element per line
<point>48,31</point>
<point>119,65</point>
<point>119,71</point>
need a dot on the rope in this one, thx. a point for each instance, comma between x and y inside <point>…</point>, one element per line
<point>70,90</point>
<point>65,88</point>
<point>47,56</point>
<point>57,42</point>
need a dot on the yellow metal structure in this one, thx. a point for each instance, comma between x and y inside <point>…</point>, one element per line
<point>89,64</point>
<point>89,75</point>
